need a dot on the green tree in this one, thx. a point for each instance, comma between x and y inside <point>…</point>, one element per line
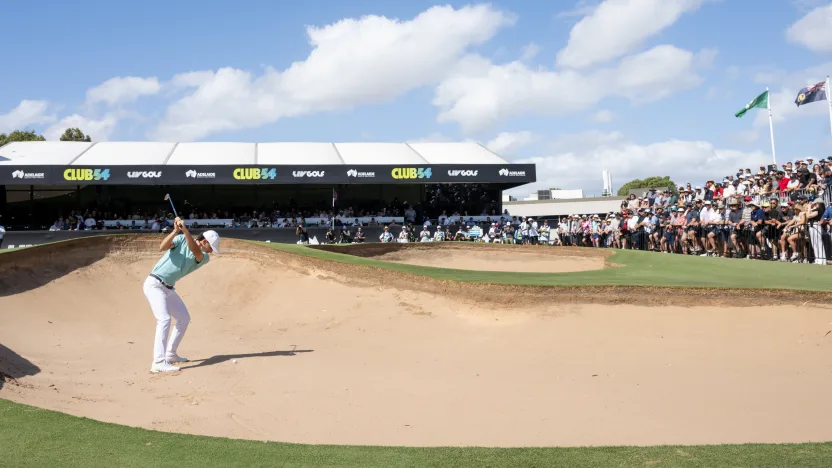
<point>20,135</point>
<point>75,134</point>
<point>650,182</point>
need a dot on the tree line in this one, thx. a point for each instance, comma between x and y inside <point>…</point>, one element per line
<point>70,134</point>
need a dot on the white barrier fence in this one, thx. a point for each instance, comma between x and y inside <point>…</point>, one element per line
<point>476,219</point>
<point>364,220</point>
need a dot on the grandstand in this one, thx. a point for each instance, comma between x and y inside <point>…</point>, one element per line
<point>40,181</point>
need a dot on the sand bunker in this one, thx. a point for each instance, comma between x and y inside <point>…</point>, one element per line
<point>529,259</point>
<point>345,357</point>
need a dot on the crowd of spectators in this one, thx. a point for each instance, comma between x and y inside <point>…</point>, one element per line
<point>154,221</point>
<point>774,214</point>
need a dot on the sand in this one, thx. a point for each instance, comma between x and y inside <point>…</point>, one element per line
<point>530,259</point>
<point>329,357</point>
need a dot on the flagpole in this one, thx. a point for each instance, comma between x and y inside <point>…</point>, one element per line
<point>771,127</point>
<point>829,102</point>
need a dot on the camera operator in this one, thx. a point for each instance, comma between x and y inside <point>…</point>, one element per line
<point>346,236</point>
<point>303,236</point>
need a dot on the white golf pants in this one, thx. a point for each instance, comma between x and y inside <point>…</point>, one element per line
<point>165,304</point>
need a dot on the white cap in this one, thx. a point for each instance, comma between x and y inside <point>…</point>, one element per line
<point>213,240</point>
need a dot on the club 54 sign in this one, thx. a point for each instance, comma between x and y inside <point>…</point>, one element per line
<point>399,173</point>
<point>255,173</point>
<point>87,175</point>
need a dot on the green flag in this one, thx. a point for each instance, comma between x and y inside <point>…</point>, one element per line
<point>760,101</point>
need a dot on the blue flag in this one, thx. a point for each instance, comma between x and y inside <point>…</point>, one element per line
<point>811,94</point>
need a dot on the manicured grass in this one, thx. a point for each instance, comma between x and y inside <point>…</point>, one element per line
<point>32,437</point>
<point>638,269</point>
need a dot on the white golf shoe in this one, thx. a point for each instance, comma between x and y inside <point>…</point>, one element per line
<point>176,358</point>
<point>163,367</point>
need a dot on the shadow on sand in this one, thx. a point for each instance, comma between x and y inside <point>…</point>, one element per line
<point>23,270</point>
<point>14,366</point>
<point>227,357</point>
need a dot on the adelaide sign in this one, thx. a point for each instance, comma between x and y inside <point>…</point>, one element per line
<point>513,174</point>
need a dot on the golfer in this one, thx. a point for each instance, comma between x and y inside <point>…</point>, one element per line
<point>183,255</point>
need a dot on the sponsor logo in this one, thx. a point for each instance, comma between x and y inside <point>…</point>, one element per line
<point>28,175</point>
<point>144,174</point>
<point>411,173</point>
<point>200,175</point>
<point>458,173</point>
<point>308,173</point>
<point>87,174</point>
<point>255,173</point>
<point>507,173</point>
<point>356,173</point>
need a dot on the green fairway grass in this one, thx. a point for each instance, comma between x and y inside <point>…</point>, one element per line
<point>32,437</point>
<point>637,269</point>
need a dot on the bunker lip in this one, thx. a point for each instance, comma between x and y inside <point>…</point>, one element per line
<point>26,269</point>
<point>377,249</point>
<point>526,259</point>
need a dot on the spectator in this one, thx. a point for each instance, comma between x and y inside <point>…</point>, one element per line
<point>424,236</point>
<point>386,236</point>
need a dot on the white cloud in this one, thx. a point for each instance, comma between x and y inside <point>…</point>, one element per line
<point>602,116</point>
<point>506,143</point>
<point>618,27</point>
<point>191,79</point>
<point>477,93</point>
<point>582,8</point>
<point>122,90</point>
<point>98,130</point>
<point>578,159</point>
<point>530,52</point>
<point>706,58</point>
<point>813,31</point>
<point>26,113</point>
<point>354,61</point>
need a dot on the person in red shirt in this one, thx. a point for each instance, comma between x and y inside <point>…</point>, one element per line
<point>782,181</point>
<point>719,189</point>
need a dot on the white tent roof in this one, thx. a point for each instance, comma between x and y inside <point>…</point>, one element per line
<point>67,153</point>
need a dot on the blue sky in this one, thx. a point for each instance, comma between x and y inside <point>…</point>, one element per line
<point>640,88</point>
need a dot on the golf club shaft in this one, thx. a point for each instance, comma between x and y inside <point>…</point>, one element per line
<point>173,207</point>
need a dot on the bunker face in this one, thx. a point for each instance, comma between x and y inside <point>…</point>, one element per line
<point>529,259</point>
<point>341,356</point>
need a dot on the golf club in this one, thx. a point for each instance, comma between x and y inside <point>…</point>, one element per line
<point>167,197</point>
